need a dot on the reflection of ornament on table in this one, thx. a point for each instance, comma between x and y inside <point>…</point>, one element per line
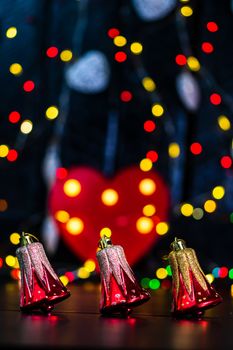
<point>90,74</point>
<point>188,90</point>
<point>40,287</point>
<point>192,293</point>
<point>151,10</point>
<point>120,290</point>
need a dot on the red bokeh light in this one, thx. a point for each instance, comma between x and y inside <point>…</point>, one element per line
<point>112,32</point>
<point>226,162</point>
<point>14,117</point>
<point>120,56</point>
<point>149,126</point>
<point>52,52</point>
<point>181,60</point>
<point>152,155</point>
<point>215,99</point>
<point>28,86</point>
<point>1,262</point>
<point>207,47</point>
<point>61,173</point>
<point>70,276</point>
<point>223,272</point>
<point>12,155</point>
<point>212,26</point>
<point>126,96</point>
<point>196,148</point>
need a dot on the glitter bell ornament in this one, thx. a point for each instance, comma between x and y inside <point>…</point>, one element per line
<point>191,291</point>
<point>40,287</point>
<point>119,289</point>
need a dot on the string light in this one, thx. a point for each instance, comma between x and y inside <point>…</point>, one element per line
<point>14,117</point>
<point>144,225</point>
<point>174,150</point>
<point>193,64</point>
<point>120,56</point>
<point>146,164</point>
<point>11,32</point>
<point>210,206</point>
<point>75,226</point>
<point>109,197</point>
<point>113,32</point>
<point>52,112</point>
<point>120,41</point>
<point>215,99</point>
<point>4,149</point>
<point>218,192</point>
<point>198,213</point>
<point>224,123</point>
<point>196,148</point>
<point>147,187</point>
<point>126,96</point>
<point>136,48</point>
<point>66,55</point>
<point>162,228</point>
<point>148,84</point>
<point>157,110</point>
<point>207,47</point>
<point>12,155</point>
<point>52,51</point>
<point>16,69</point>
<point>149,210</point>
<point>28,86</point>
<point>181,60</point>
<point>212,27</point>
<point>149,126</point>
<point>186,11</point>
<point>26,126</point>
<point>226,162</point>
<point>187,209</point>
<point>72,188</point>
<point>152,155</point>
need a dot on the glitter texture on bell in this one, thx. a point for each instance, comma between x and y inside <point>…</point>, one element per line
<point>120,291</point>
<point>40,287</point>
<point>191,291</point>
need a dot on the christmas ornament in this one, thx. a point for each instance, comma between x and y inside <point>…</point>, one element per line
<point>131,205</point>
<point>90,74</point>
<point>40,287</point>
<point>188,90</point>
<point>151,10</point>
<point>191,290</point>
<point>119,289</point>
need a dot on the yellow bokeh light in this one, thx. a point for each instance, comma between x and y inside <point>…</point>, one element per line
<point>10,260</point>
<point>62,216</point>
<point>149,210</point>
<point>198,213</point>
<point>16,265</point>
<point>105,231</point>
<point>144,225</point>
<point>157,110</point>
<point>161,273</point>
<point>136,48</point>
<point>174,150</point>
<point>52,112</point>
<point>210,277</point>
<point>193,63</point>
<point>4,150</point>
<point>66,55</point>
<point>224,123</point>
<point>109,197</point>
<point>75,226</point>
<point>120,41</point>
<point>83,273</point>
<point>14,238</point>
<point>26,126</point>
<point>148,84</point>
<point>16,68</point>
<point>218,192</point>
<point>146,164</point>
<point>186,11</point>
<point>210,206</point>
<point>11,32</point>
<point>64,280</point>
<point>89,265</point>
<point>72,188</point>
<point>162,228</point>
<point>147,187</point>
<point>186,209</point>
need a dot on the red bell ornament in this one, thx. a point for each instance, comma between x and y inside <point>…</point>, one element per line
<point>40,287</point>
<point>120,290</point>
<point>191,291</point>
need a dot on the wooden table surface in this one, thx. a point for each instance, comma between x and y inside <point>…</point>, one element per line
<point>76,323</point>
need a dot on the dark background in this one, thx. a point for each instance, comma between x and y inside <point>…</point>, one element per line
<point>78,135</point>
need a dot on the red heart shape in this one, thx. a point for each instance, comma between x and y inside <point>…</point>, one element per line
<point>121,217</point>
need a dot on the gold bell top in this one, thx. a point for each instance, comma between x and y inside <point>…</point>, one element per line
<point>178,244</point>
<point>105,242</point>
